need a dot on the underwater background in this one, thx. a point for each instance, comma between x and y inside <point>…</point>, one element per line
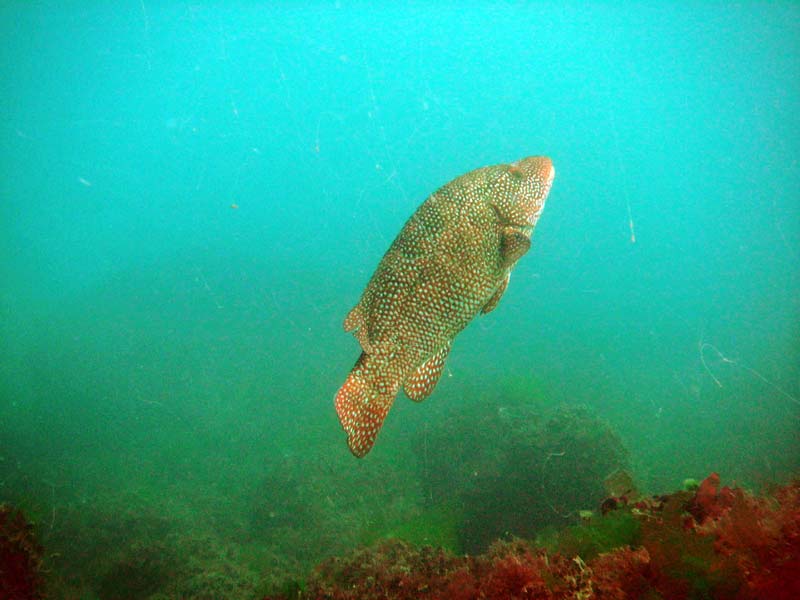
<point>194,195</point>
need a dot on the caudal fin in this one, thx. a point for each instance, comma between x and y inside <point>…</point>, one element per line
<point>362,408</point>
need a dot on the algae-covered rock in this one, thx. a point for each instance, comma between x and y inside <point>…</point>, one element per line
<point>139,569</point>
<point>515,471</point>
<point>122,548</point>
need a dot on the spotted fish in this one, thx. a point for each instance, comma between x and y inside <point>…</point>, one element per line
<point>451,261</point>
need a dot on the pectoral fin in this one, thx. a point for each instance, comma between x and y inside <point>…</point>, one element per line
<point>420,385</point>
<point>492,303</point>
<point>513,245</point>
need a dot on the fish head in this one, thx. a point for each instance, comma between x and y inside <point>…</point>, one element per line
<point>520,190</point>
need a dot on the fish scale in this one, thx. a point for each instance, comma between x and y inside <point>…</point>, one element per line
<point>451,261</point>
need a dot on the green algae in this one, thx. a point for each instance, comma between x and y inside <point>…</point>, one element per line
<point>595,536</point>
<point>437,526</point>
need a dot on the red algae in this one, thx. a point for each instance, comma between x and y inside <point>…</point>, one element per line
<point>620,574</point>
<point>20,557</point>
<point>718,542</point>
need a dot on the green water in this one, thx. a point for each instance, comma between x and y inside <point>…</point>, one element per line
<point>192,197</point>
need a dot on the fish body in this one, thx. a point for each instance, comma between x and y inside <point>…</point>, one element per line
<point>451,262</point>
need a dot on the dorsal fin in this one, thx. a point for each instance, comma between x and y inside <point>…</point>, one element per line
<point>421,383</point>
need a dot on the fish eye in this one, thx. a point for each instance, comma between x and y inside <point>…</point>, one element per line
<point>515,171</point>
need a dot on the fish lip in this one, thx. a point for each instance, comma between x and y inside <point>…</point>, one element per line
<point>551,175</point>
<point>551,170</point>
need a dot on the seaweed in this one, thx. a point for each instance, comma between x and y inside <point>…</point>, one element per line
<point>741,547</point>
<point>20,556</point>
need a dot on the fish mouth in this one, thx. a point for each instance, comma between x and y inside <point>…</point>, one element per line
<point>539,173</point>
<point>552,175</point>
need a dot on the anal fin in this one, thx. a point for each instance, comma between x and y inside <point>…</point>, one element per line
<point>492,303</point>
<point>421,383</point>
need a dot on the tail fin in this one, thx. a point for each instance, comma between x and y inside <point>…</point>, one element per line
<point>362,407</point>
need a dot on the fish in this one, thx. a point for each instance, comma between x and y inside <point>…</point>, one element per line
<point>451,262</point>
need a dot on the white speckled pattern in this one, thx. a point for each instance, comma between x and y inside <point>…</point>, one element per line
<point>451,261</point>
